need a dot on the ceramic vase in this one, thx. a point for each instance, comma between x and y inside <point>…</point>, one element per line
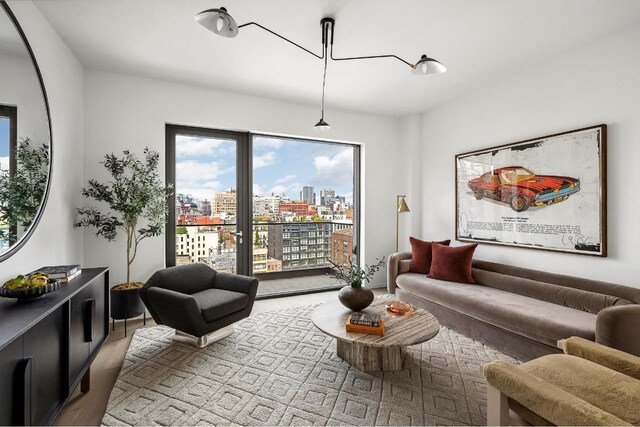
<point>355,298</point>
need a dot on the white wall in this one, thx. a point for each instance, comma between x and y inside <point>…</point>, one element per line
<point>55,241</point>
<point>411,167</point>
<point>19,87</point>
<point>598,83</point>
<point>124,112</point>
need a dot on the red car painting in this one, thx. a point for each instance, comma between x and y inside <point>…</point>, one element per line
<point>521,188</point>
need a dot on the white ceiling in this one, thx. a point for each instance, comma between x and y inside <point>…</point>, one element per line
<point>479,42</point>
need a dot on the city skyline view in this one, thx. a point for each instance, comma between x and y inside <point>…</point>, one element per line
<point>205,166</point>
<point>289,235</point>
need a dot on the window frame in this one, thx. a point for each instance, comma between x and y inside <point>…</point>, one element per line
<point>244,180</point>
<point>10,112</point>
<point>244,177</point>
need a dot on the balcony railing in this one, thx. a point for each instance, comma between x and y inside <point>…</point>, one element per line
<point>287,256</point>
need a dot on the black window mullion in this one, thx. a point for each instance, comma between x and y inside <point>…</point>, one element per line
<point>244,217</point>
<point>356,203</point>
<point>170,178</point>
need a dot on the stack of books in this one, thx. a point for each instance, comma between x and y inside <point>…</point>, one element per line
<point>365,323</point>
<point>63,273</point>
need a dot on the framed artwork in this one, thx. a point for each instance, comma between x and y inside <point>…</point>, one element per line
<point>544,193</point>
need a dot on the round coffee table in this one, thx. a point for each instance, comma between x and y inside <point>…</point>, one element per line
<point>372,352</point>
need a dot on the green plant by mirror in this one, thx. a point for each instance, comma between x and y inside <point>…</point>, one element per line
<point>22,189</point>
<point>136,197</point>
<point>353,275</point>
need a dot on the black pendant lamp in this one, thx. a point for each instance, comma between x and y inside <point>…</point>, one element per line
<point>323,126</point>
<point>220,22</point>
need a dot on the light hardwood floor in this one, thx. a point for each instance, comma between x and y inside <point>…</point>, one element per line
<point>88,409</point>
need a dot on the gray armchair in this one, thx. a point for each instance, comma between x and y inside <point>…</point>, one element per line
<point>197,300</point>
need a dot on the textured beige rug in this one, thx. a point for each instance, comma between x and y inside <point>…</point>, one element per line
<point>278,369</point>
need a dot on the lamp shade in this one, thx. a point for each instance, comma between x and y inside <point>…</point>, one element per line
<point>402,206</point>
<point>218,21</point>
<point>428,65</point>
<point>322,126</point>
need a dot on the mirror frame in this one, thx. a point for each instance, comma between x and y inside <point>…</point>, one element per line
<point>20,243</point>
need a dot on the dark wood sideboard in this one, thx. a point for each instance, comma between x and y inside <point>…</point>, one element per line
<point>47,346</point>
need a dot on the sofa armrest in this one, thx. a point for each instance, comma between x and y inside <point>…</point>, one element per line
<point>617,327</point>
<point>611,358</point>
<point>545,399</point>
<point>176,310</point>
<point>393,269</point>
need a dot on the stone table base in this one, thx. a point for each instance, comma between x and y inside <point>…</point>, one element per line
<point>369,358</point>
<point>368,352</point>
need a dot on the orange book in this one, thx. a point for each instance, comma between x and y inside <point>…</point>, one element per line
<point>373,330</point>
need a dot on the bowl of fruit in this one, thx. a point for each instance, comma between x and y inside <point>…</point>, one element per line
<point>26,287</point>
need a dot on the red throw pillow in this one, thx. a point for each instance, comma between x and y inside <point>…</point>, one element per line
<point>421,254</point>
<point>452,263</point>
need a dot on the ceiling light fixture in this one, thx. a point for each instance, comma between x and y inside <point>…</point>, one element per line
<point>220,22</point>
<point>323,126</point>
<point>428,65</point>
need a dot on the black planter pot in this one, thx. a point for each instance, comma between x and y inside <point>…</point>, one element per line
<point>126,304</point>
<point>355,299</point>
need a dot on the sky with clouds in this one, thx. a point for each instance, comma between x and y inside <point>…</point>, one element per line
<point>205,166</point>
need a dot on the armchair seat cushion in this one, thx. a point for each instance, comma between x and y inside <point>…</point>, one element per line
<point>217,303</point>
<point>611,391</point>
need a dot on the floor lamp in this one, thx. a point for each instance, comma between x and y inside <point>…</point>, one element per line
<point>401,207</point>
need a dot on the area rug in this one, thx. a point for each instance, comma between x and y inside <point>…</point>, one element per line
<point>278,369</point>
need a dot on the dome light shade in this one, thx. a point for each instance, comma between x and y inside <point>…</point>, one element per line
<point>428,65</point>
<point>322,126</point>
<point>218,21</point>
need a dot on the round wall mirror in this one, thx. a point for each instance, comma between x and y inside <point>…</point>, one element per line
<point>25,137</point>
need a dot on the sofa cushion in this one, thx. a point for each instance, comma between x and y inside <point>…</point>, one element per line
<point>217,303</point>
<point>421,254</point>
<point>541,321</point>
<point>578,299</point>
<point>452,263</point>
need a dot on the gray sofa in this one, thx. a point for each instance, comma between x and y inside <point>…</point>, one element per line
<point>523,312</point>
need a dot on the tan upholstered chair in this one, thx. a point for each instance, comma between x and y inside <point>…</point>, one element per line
<point>588,385</point>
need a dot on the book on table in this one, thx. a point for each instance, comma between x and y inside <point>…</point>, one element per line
<point>373,326</point>
<point>59,271</point>
<point>70,277</point>
<point>365,319</point>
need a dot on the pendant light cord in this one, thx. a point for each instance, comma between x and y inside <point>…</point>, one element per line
<point>324,76</point>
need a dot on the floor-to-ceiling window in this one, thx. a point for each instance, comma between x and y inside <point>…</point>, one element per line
<point>8,143</point>
<point>279,208</point>
<point>304,212</point>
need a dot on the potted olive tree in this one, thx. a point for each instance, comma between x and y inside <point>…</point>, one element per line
<point>137,207</point>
